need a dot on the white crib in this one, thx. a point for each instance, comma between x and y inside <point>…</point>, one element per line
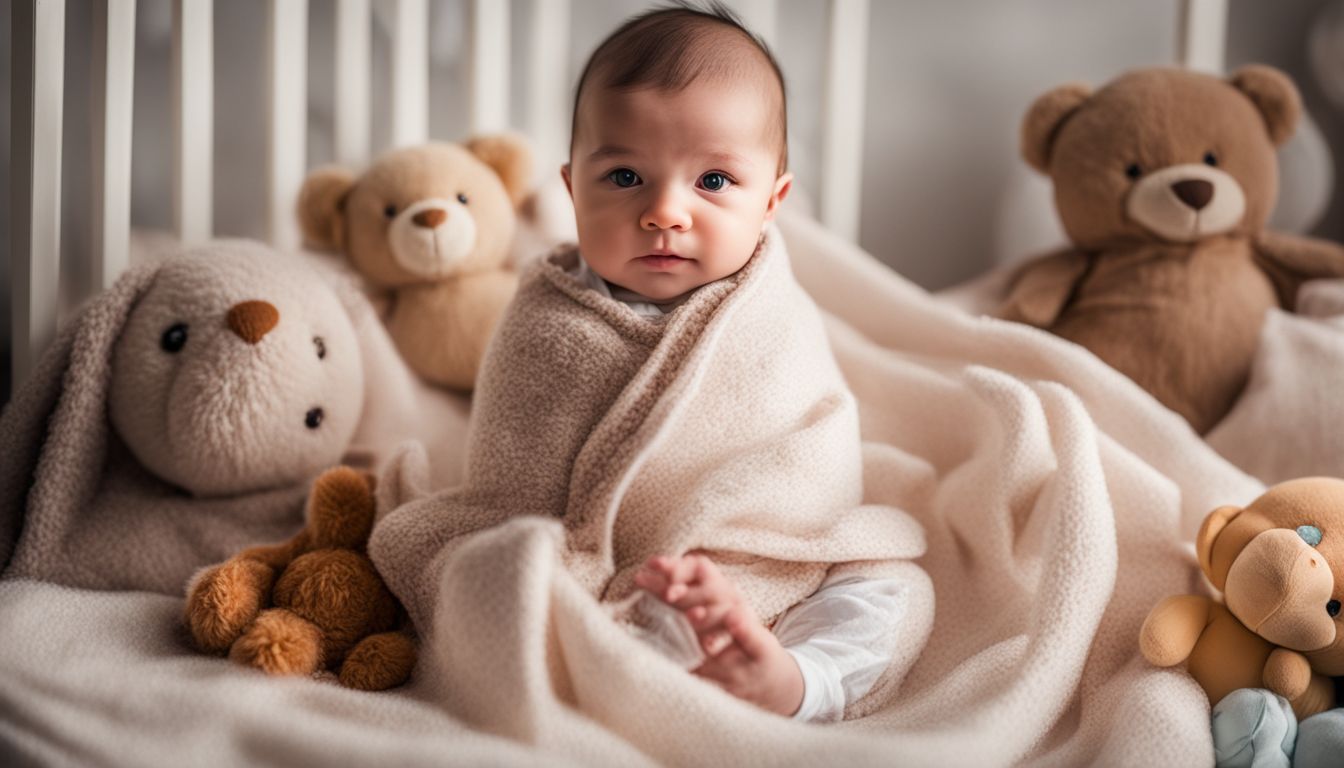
<point>38,38</point>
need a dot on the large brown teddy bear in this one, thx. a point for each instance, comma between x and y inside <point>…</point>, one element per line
<point>430,226</point>
<point>310,603</point>
<point>1163,180</point>
<point>1280,565</point>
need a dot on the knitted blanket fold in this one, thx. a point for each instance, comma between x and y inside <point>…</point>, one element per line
<point>724,427</point>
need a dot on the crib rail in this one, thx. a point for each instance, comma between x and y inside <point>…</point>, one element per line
<point>38,48</point>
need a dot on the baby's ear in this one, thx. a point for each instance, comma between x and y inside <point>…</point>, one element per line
<point>1207,536</point>
<point>1043,121</point>
<point>1274,95</point>
<point>510,157</point>
<point>321,207</point>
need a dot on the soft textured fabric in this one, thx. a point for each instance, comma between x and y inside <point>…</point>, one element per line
<point>725,428</point>
<point>1254,728</point>
<point>78,508</point>
<point>1059,502</point>
<point>841,638</point>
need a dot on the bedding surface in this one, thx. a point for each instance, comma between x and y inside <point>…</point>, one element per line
<point>1058,503</point>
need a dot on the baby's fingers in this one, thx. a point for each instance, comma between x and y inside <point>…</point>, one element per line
<point>748,634</point>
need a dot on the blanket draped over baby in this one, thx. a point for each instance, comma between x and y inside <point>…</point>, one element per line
<point>1057,498</point>
<point>724,427</point>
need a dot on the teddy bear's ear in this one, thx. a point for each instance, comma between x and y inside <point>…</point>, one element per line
<point>509,156</point>
<point>1208,534</point>
<point>1274,94</point>
<point>322,207</point>
<point>1044,119</point>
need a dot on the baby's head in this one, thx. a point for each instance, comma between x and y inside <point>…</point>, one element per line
<point>678,152</point>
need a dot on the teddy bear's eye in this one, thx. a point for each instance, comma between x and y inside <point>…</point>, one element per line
<point>1310,534</point>
<point>390,211</point>
<point>1332,607</point>
<point>1210,159</point>
<point>461,198</point>
<point>313,418</point>
<point>321,347</point>
<point>1133,171</point>
<point>174,339</point>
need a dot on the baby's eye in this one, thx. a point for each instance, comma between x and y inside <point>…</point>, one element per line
<point>714,181</point>
<point>623,177</point>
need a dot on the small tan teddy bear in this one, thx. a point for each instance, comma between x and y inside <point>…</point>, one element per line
<point>430,226</point>
<point>314,601</point>
<point>1280,565</point>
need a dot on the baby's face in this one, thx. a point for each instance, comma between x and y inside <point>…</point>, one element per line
<point>672,189</point>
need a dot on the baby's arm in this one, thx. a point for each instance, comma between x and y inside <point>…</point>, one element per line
<point>742,655</point>
<point>843,638</point>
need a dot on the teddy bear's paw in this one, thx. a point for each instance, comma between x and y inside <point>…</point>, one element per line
<point>341,509</point>
<point>379,662</point>
<point>280,643</point>
<point>223,600</point>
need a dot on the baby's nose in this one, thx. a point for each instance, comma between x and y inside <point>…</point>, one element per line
<point>430,218</point>
<point>665,212</point>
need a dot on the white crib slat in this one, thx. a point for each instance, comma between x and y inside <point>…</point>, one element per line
<point>842,129</point>
<point>193,105</point>
<point>548,87</point>
<point>410,72</point>
<point>113,90</point>
<point>760,17</point>
<point>352,82</point>
<point>37,32</point>
<point>1202,37</point>
<point>287,33</point>
<point>489,66</point>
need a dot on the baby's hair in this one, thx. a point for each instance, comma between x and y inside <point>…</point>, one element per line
<point>664,48</point>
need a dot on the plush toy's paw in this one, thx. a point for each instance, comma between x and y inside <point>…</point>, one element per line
<point>223,600</point>
<point>341,509</point>
<point>379,662</point>
<point>280,643</point>
<point>1320,740</point>
<point>1287,673</point>
<point>1253,728</point>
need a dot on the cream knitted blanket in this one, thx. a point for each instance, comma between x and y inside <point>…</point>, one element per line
<point>1058,501</point>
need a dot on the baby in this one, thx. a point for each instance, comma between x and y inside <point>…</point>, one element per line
<point>677,164</point>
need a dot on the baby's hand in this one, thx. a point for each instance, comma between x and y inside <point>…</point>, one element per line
<point>744,658</point>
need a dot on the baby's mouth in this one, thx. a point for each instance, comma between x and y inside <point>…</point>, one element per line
<point>661,260</point>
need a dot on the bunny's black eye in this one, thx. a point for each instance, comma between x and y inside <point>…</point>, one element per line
<point>313,419</point>
<point>321,347</point>
<point>461,198</point>
<point>174,339</point>
<point>1133,171</point>
<point>390,211</point>
<point>1332,607</point>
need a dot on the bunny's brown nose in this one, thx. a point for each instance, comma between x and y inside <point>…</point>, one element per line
<point>1195,193</point>
<point>430,218</point>
<point>252,320</point>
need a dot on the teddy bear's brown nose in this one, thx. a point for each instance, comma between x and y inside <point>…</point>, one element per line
<point>430,218</point>
<point>252,320</point>
<point>1195,193</point>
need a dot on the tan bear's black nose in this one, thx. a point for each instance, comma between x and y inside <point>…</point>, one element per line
<point>1195,193</point>
<point>252,320</point>
<point>430,218</point>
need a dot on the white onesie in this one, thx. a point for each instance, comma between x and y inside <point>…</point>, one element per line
<point>844,635</point>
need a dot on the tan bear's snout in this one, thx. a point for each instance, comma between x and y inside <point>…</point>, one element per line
<point>252,320</point>
<point>430,218</point>
<point>1279,587</point>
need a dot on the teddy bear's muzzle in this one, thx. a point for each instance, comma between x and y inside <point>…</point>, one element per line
<point>1279,587</point>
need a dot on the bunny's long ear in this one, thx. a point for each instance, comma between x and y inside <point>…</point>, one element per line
<point>54,432</point>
